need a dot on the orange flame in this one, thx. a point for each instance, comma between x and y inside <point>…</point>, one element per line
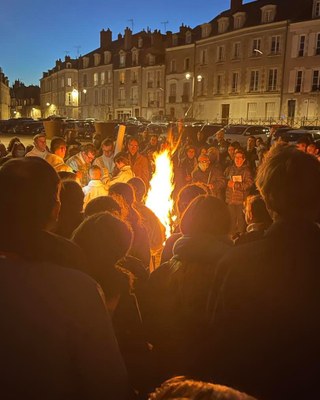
<point>159,198</point>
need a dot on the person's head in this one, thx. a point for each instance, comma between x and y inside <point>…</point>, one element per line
<point>256,211</point>
<point>133,146</point>
<point>302,144</point>
<point>203,162</point>
<point>3,150</point>
<point>200,136</point>
<point>231,150</point>
<point>259,142</point>
<point>107,147</point>
<point>182,388</point>
<point>206,215</point>
<point>71,197</point>
<point>96,140</point>
<point>153,140</point>
<point>95,172</point>
<point>239,158</point>
<point>220,135</point>
<point>105,239</point>
<point>88,152</point>
<point>251,143</point>
<point>12,142</point>
<point>121,159</point>
<point>139,188</point>
<point>289,181</point>
<point>30,200</point>
<point>203,151</point>
<point>58,146</point>
<point>40,142</point>
<point>18,150</point>
<point>102,204</point>
<point>124,190</point>
<point>187,194</point>
<point>213,154</point>
<point>66,175</point>
<point>190,152</point>
<point>312,149</point>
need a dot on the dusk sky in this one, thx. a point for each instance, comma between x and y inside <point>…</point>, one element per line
<point>35,33</point>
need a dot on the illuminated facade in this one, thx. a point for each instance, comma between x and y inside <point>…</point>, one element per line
<point>4,96</point>
<point>256,62</point>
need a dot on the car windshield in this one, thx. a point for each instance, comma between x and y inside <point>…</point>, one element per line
<point>235,130</point>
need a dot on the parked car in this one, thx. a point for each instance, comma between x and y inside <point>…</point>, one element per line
<point>293,135</point>
<point>240,133</point>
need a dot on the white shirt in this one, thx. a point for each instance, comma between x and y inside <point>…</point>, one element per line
<point>95,188</point>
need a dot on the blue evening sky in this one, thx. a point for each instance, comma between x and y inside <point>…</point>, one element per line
<point>35,33</point>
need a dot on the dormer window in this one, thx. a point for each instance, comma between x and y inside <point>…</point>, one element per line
<point>151,59</point>
<point>175,40</point>
<point>96,58</point>
<point>223,24</point>
<point>140,42</point>
<point>85,62</point>
<point>188,37</point>
<point>268,13</point>
<point>122,59</point>
<point>135,57</point>
<point>68,65</point>
<point>107,57</point>
<point>239,20</point>
<point>205,30</point>
<point>316,9</point>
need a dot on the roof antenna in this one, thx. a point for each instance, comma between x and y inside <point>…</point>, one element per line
<point>131,21</point>
<point>78,47</point>
<point>165,23</point>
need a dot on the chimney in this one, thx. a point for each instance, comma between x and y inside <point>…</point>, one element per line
<point>156,38</point>
<point>105,38</point>
<point>235,5</point>
<point>127,38</point>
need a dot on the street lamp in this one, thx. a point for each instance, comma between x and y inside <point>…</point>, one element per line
<point>199,78</point>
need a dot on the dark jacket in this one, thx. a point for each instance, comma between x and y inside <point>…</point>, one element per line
<point>212,176</point>
<point>243,183</point>
<point>265,321</point>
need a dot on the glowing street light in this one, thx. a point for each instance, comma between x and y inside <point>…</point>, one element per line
<point>199,78</point>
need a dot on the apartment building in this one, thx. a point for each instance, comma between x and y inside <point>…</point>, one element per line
<point>25,100</point>
<point>255,62</point>
<point>4,96</point>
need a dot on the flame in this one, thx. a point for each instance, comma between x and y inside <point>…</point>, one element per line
<point>159,198</point>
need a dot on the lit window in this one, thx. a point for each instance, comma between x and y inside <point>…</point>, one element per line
<point>298,82</point>
<point>302,42</point>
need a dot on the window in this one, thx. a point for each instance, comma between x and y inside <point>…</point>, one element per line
<point>268,13</point>
<point>134,58</point>
<point>238,20</point>
<point>69,82</point>
<point>102,78</point>
<point>150,80</point>
<point>270,110</point>
<point>158,79</point>
<point>316,9</point>
<point>205,30</point>
<point>256,47</point>
<point>103,96</point>
<point>109,96</point>
<point>62,82</point>
<point>186,64</point>
<point>318,44</point>
<point>85,80</point>
<point>223,24</point>
<point>140,42</point>
<point>96,59</point>
<point>272,79</point>
<point>315,81</point>
<point>252,111</point>
<point>173,89</point>
<point>151,59</point>
<point>174,40</point>
<point>122,60</point>
<point>203,57</point>
<point>107,57</point>
<point>134,77</point>
<point>302,42</point>
<point>254,81</point>
<point>236,51</point>
<point>219,84</point>
<point>173,66</point>
<point>220,53</point>
<point>68,65</point>
<point>95,79</point>
<point>298,82</point>
<point>275,45</point>
<point>122,94</point>
<point>69,99</point>
<point>122,77</point>
<point>235,82</point>
<point>109,75</point>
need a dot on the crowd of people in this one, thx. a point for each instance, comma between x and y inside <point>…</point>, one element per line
<point>97,303</point>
